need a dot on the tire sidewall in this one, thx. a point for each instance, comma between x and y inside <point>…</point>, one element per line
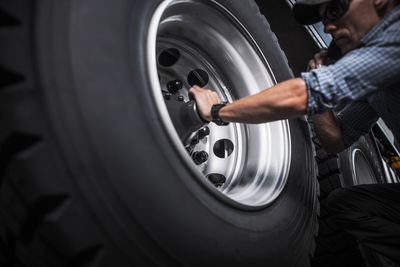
<point>366,146</point>
<point>112,138</point>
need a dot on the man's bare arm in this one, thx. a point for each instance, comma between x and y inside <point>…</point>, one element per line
<point>283,101</point>
<point>328,131</point>
<point>326,126</point>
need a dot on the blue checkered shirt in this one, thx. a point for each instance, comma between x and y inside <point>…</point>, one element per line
<point>366,80</point>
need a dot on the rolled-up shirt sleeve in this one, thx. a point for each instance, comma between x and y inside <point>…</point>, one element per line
<point>358,74</point>
<point>320,91</point>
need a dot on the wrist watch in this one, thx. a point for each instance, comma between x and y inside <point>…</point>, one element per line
<point>215,114</point>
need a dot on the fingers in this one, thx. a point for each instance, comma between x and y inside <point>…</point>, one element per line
<point>194,90</point>
<point>206,93</point>
<point>196,87</point>
<point>205,99</point>
<point>323,52</point>
<point>311,65</point>
<point>319,59</point>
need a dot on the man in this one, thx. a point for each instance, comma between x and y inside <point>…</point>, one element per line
<point>366,80</point>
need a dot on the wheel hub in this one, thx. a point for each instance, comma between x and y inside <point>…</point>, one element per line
<point>202,43</point>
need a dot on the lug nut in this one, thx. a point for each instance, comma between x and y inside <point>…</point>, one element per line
<point>216,179</point>
<point>200,157</point>
<point>202,133</point>
<point>194,141</point>
<point>174,86</point>
<point>167,95</point>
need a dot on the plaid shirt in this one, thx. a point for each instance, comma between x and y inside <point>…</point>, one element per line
<point>366,79</point>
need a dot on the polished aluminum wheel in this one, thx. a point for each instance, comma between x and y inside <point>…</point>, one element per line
<point>361,169</point>
<point>200,42</point>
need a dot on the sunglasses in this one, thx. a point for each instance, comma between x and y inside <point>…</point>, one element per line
<point>335,10</point>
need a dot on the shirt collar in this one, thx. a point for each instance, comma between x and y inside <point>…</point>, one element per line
<point>382,25</point>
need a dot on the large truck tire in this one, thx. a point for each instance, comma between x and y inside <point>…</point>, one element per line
<point>97,168</point>
<point>359,164</point>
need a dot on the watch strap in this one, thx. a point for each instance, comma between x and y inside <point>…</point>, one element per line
<point>215,114</point>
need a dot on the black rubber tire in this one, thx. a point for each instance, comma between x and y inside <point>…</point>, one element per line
<point>335,247</point>
<point>88,178</point>
<point>371,156</point>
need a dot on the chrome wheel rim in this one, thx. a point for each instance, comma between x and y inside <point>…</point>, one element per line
<point>362,171</point>
<point>188,38</point>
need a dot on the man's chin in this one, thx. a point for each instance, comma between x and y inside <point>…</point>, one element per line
<point>344,50</point>
<point>345,47</point>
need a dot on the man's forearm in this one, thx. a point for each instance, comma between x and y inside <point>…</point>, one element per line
<point>282,101</point>
<point>328,131</point>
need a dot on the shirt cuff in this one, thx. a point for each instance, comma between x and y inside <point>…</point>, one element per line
<point>319,89</point>
<point>310,83</point>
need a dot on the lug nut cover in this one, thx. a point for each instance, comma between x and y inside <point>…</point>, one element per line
<point>198,77</point>
<point>202,133</point>
<point>200,157</point>
<point>174,86</point>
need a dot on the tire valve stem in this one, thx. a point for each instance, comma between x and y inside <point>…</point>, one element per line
<point>216,179</point>
<point>174,86</point>
<point>202,133</point>
<point>200,157</point>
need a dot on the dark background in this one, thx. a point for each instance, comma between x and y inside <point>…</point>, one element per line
<point>293,38</point>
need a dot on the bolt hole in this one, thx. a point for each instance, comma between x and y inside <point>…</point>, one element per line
<point>216,179</point>
<point>223,148</point>
<point>198,77</point>
<point>169,57</point>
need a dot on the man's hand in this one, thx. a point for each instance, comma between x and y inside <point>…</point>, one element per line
<point>205,99</point>
<point>320,59</point>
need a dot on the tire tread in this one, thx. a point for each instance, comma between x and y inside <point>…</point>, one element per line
<point>334,248</point>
